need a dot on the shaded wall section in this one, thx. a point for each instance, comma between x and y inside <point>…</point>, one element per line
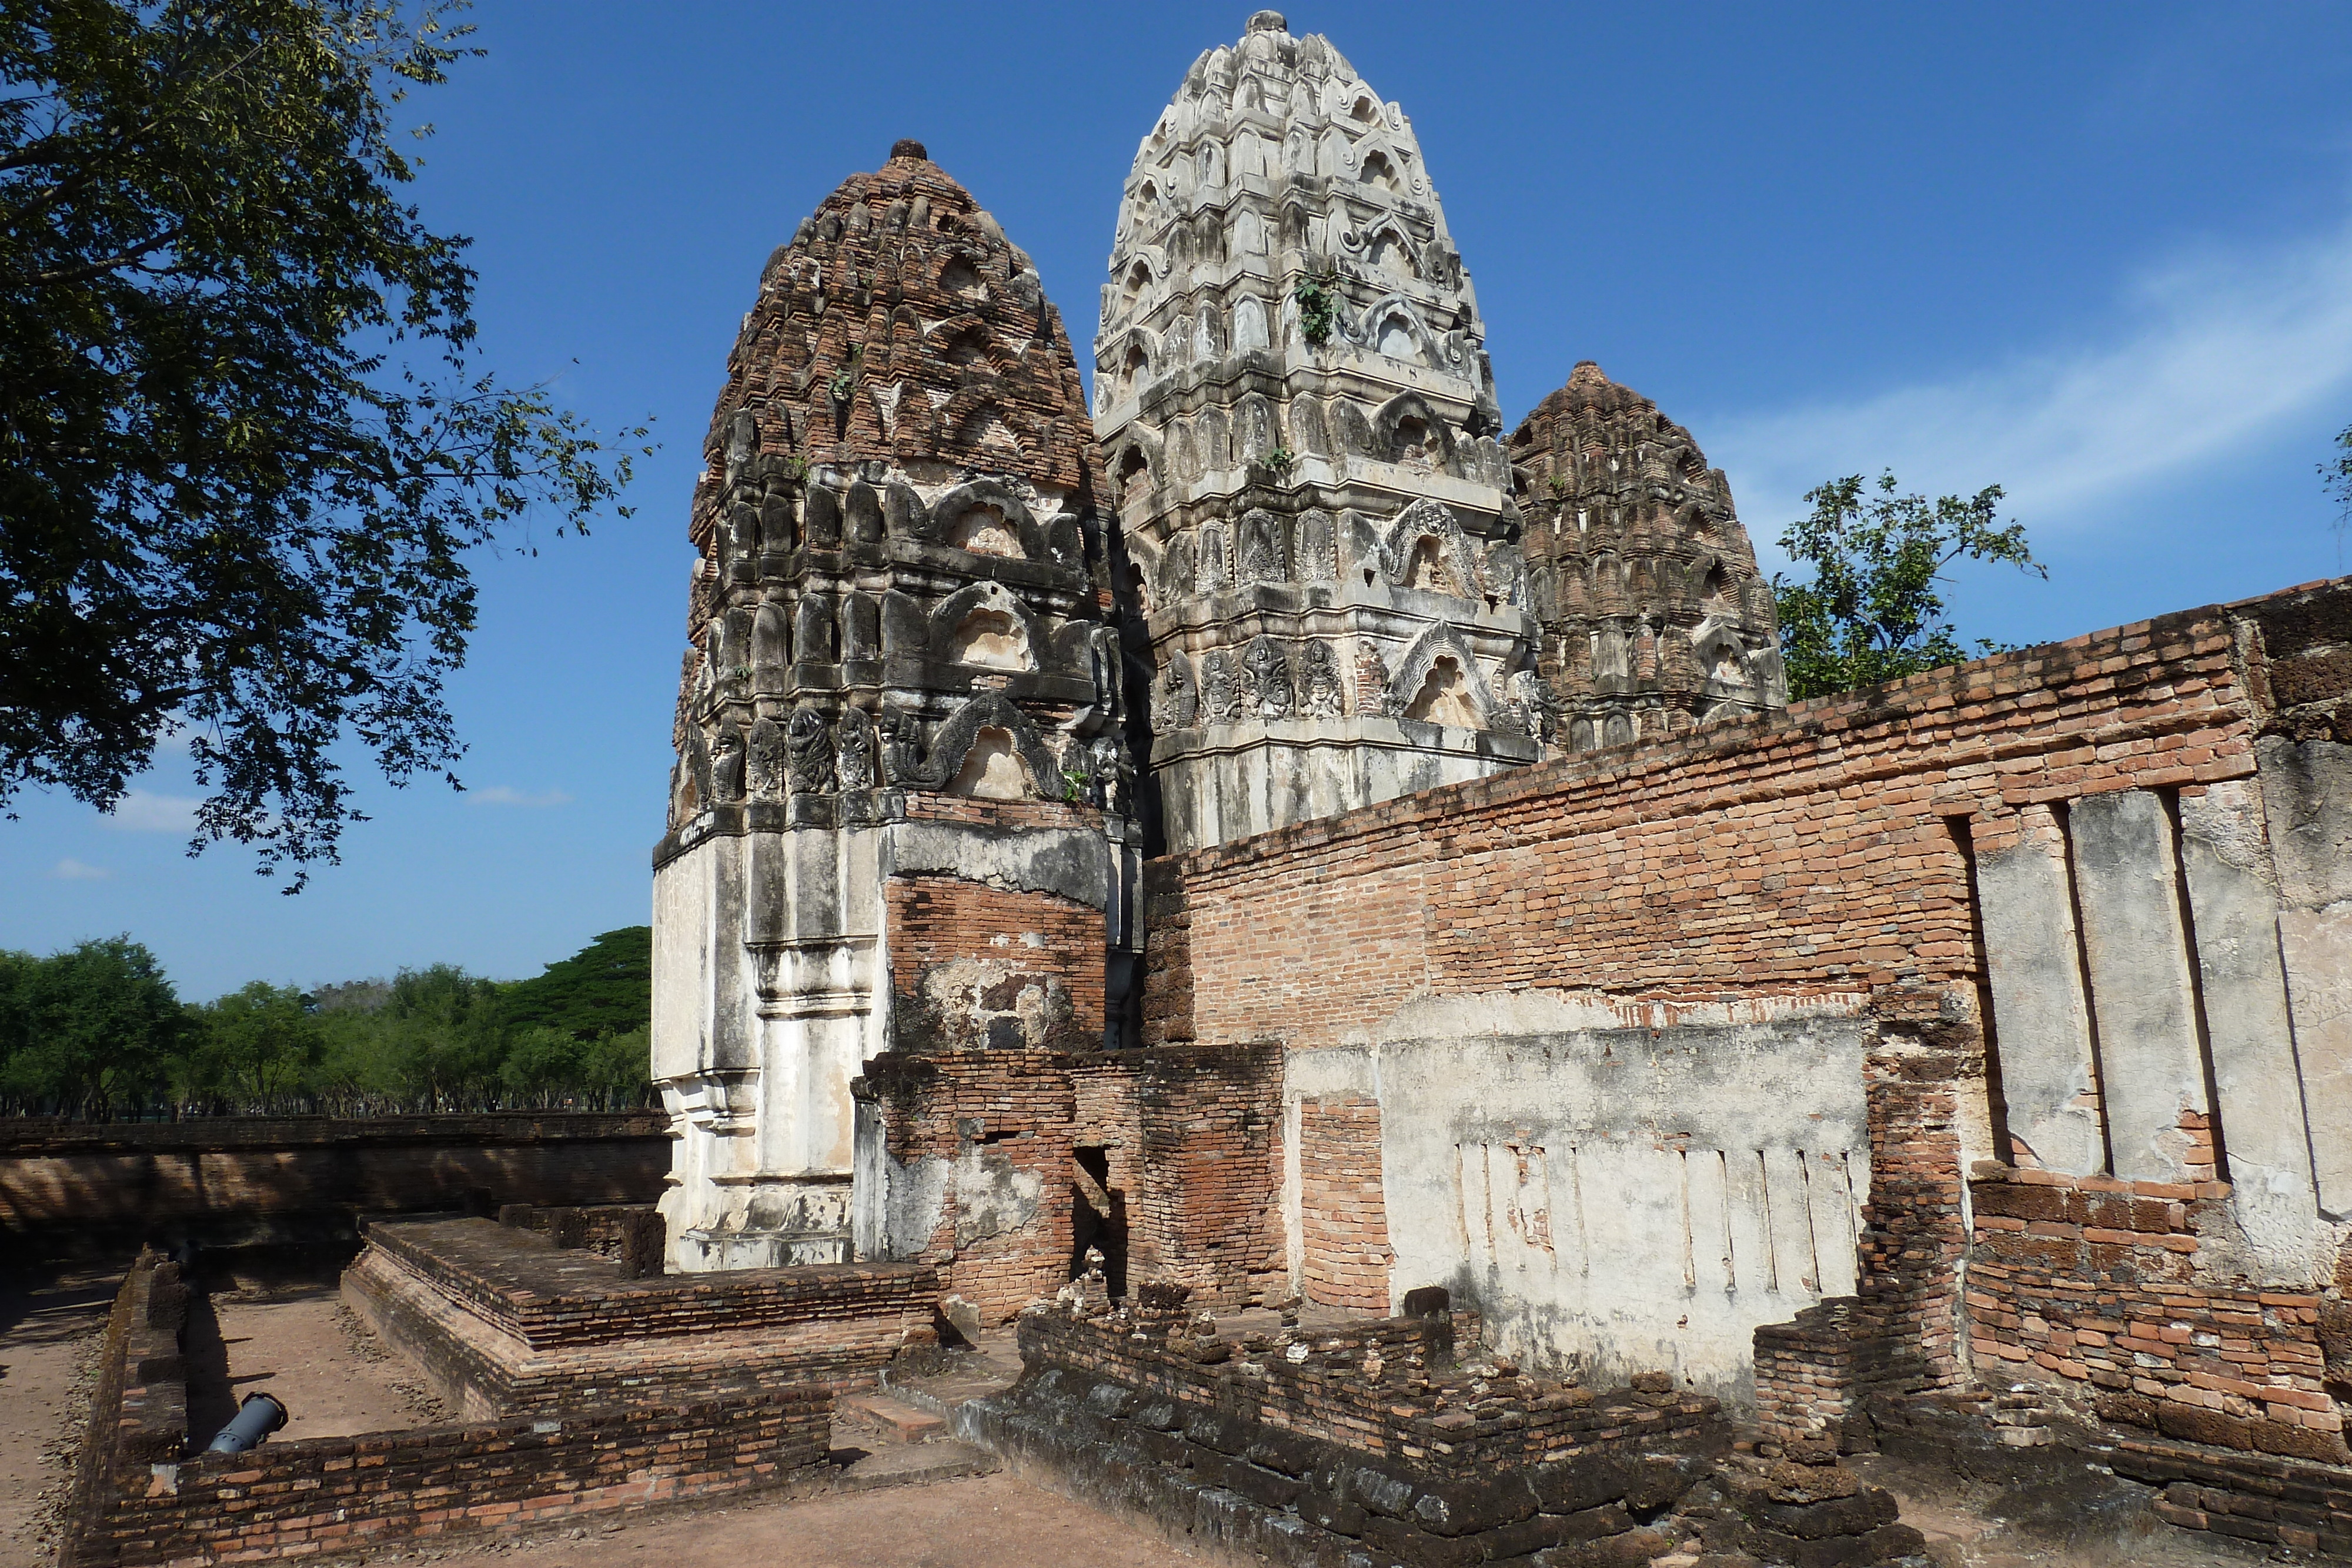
<point>230,1181</point>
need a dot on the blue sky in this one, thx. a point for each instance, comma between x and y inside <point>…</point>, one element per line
<point>2099,254</point>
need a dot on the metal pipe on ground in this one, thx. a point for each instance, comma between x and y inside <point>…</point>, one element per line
<point>260,1416</point>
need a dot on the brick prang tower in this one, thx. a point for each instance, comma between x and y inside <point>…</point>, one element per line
<point>898,727</point>
<point>1655,617</point>
<point>1298,417</point>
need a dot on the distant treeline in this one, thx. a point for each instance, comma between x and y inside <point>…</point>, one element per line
<point>96,1030</point>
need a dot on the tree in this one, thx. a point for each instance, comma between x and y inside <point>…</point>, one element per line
<point>2337,473</point>
<point>98,1025</point>
<point>606,987</point>
<point>1872,611</point>
<point>448,1033</point>
<point>244,450</point>
<point>259,1044</point>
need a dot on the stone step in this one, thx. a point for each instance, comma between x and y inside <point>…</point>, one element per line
<point>893,1419</point>
<point>917,1465</point>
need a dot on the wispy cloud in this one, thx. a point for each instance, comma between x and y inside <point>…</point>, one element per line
<point>144,812</point>
<point>501,795</point>
<point>74,871</point>
<point>2214,351</point>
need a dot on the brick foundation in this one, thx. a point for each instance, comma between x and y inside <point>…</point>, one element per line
<point>2089,1285</point>
<point>140,1498</point>
<point>504,1322</point>
<point>1315,1444</point>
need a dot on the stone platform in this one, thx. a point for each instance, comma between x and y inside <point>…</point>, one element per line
<point>505,1323</point>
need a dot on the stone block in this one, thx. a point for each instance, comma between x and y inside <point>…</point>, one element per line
<point>2126,882</point>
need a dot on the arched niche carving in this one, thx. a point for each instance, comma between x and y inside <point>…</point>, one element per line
<point>1429,532</point>
<point>1180,570</point>
<point>771,639</point>
<point>952,746</point>
<point>1263,558</point>
<point>1249,325</point>
<point>1315,558</point>
<point>1175,695</point>
<point>862,514</point>
<point>984,626</point>
<point>992,769</point>
<point>984,512</point>
<point>1423,688</point>
<point>1406,426</point>
<point>1213,559</point>
<point>1394,256</point>
<point>1249,233</point>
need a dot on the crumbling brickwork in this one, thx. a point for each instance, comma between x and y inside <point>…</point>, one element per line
<point>1343,1217</point>
<point>1201,1130</point>
<point>1168,956</point>
<point>976,966</point>
<point>2091,1283</point>
<point>1821,864</point>
<point>1171,1155</point>
<point>980,1149</point>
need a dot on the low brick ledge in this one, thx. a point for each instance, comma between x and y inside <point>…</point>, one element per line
<point>547,1296</point>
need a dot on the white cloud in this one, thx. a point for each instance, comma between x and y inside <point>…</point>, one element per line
<point>2216,350</point>
<point>501,795</point>
<point>144,812</point>
<point>74,871</point>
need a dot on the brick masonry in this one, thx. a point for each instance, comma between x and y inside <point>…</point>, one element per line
<point>504,1322</point>
<point>979,966</point>
<point>1314,1445</point>
<point>1188,1140</point>
<point>1343,1217</point>
<point>230,1178</point>
<point>140,1498</point>
<point>1789,860</point>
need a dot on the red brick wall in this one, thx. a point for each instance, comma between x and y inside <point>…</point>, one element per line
<point>1343,1217</point>
<point>993,1114</point>
<point>1783,856</point>
<point>1204,1128</point>
<point>2087,1284</point>
<point>975,966</point>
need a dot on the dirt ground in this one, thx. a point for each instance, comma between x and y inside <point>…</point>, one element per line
<point>299,1344</point>
<point>49,1327</point>
<point>982,1522</point>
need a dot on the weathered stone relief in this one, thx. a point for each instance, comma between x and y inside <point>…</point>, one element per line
<point>901,591</point>
<point>1631,540</point>
<point>1288,340</point>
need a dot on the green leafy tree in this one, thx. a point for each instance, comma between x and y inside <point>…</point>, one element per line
<point>619,1069</point>
<point>447,1035</point>
<point>244,450</point>
<point>1873,611</point>
<point>606,987</point>
<point>98,1024</point>
<point>260,1045</point>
